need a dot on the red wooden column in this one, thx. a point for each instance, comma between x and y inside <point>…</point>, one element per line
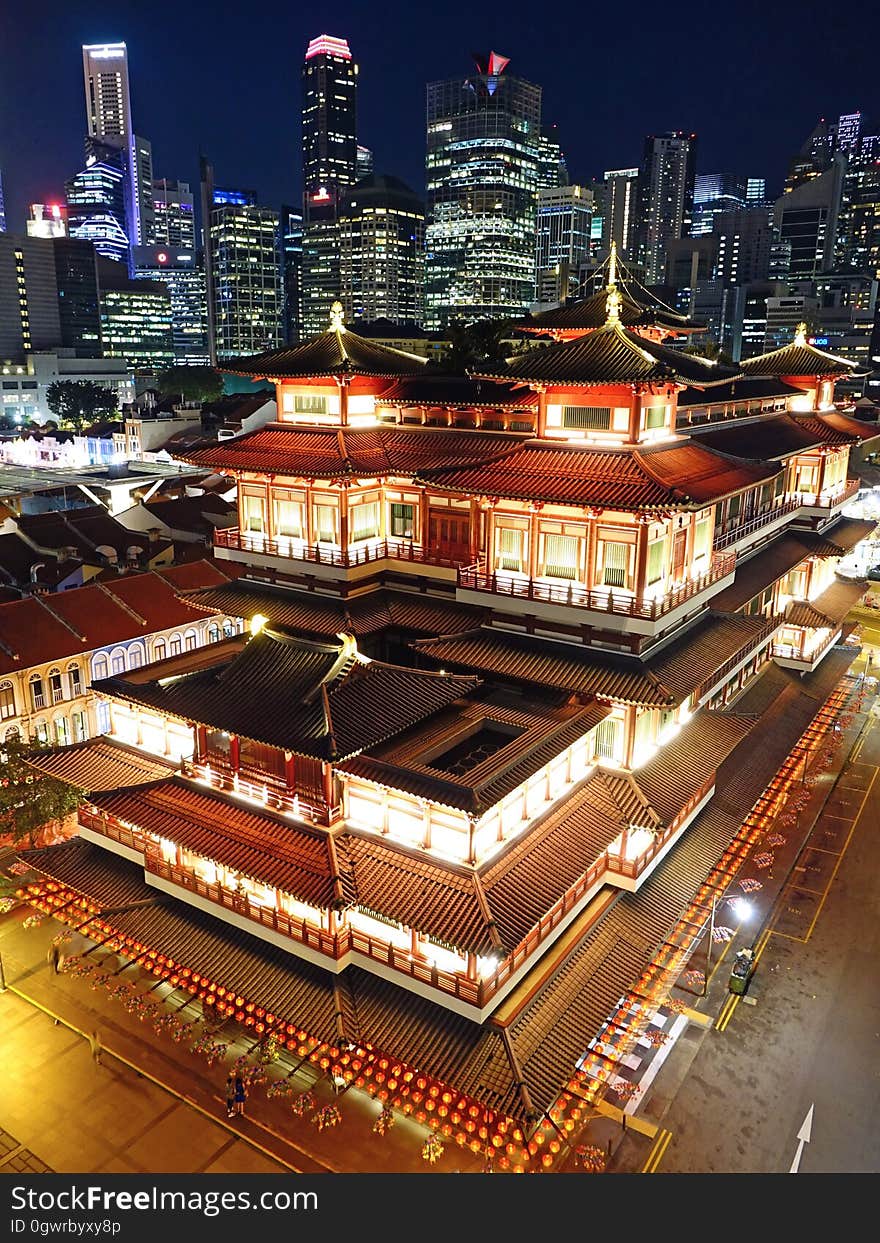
<point>200,743</point>
<point>342,385</point>
<point>635,412</point>
<point>542,411</point>
<point>629,736</point>
<point>820,482</point>
<point>641,555</point>
<point>290,771</point>
<point>235,752</point>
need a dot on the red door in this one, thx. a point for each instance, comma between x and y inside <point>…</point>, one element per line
<point>449,536</point>
<point>679,550</point>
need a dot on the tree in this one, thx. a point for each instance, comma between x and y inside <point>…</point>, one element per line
<point>471,344</point>
<point>710,349</point>
<point>28,799</point>
<point>200,384</point>
<point>79,402</point>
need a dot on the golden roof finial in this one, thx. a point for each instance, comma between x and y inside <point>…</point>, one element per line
<point>612,267</point>
<point>612,306</point>
<point>336,321</point>
<point>800,336</point>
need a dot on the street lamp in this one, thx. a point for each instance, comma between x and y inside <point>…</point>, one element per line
<point>743,911</point>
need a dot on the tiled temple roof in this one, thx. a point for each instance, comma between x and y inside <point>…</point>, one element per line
<point>830,607</point>
<point>432,388</point>
<point>680,473</point>
<point>639,308</point>
<point>317,699</point>
<point>799,359</point>
<point>336,352</point>
<point>100,764</point>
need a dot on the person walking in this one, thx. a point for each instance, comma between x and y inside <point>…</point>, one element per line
<point>240,1096</point>
<point>230,1096</point>
<point>54,956</point>
<point>95,1046</point>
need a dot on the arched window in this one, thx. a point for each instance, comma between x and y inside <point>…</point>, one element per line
<point>56,686</point>
<point>38,697</point>
<point>176,645</point>
<point>7,701</point>
<point>13,734</point>
<point>117,661</point>
<point>190,640</point>
<point>80,729</point>
<point>135,656</point>
<point>102,712</point>
<point>159,649</point>
<point>213,633</point>
<point>61,726</point>
<point>41,732</point>
<point>100,668</point>
<point>75,681</point>
<point>228,628</point>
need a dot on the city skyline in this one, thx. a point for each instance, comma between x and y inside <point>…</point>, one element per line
<point>732,115</point>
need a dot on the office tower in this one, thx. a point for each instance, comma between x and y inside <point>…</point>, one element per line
<point>859,230</point>
<point>96,202</point>
<point>713,194</point>
<point>565,218</point>
<point>243,254</point>
<point>329,164</point>
<point>363,163</point>
<point>813,158</point>
<point>382,251</point>
<point>174,221</point>
<point>806,216</point>
<point>291,272</point>
<point>178,269</point>
<point>666,197</point>
<point>47,220</point>
<point>135,319</point>
<point>109,119</point>
<point>756,190</point>
<point>621,211</point>
<point>744,237</point>
<point>483,161</point>
<point>2,206</point>
<point>28,296</point>
<point>848,134</point>
<point>552,169</point>
<point>79,310</point>
<point>206,204</point>
<point>689,260</point>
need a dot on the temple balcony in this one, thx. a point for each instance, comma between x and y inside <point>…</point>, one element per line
<point>608,608</point>
<point>261,788</point>
<point>332,561</point>
<point>806,651</point>
<point>829,501</point>
<point>745,535</point>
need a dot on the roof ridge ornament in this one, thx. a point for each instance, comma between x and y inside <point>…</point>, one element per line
<point>612,306</point>
<point>336,321</point>
<point>612,267</point>
<point>800,336</point>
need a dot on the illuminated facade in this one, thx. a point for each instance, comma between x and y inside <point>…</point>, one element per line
<point>97,203</point>
<point>136,320</point>
<point>483,169</point>
<point>494,627</point>
<point>245,275</point>
<point>565,218</point>
<point>382,252</point>
<point>329,166</point>
<point>666,197</point>
<point>177,269</point>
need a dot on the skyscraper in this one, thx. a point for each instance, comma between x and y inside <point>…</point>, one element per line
<point>109,119</point>
<point>245,266</point>
<point>135,319</point>
<point>174,218</point>
<point>176,267</point>
<point>329,165</point>
<point>565,217</point>
<point>48,296</point>
<point>715,193</point>
<point>620,211</point>
<point>96,202</point>
<point>382,251</point>
<point>552,169</point>
<point>666,197</point>
<point>483,165</point>
<point>805,217</point>
<point>47,220</point>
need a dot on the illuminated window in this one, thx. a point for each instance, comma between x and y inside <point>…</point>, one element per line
<point>586,418</point>
<point>325,524</point>
<point>253,513</point>
<point>656,552</point>
<point>615,562</point>
<point>701,538</point>
<point>510,549</point>
<point>365,521</point>
<point>7,701</point>
<point>606,739</point>
<point>38,699</point>
<point>560,556</point>
<point>309,403</point>
<point>403,520</point>
<point>288,519</point>
<point>655,416</point>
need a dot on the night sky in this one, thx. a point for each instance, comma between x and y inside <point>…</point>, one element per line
<point>750,78</point>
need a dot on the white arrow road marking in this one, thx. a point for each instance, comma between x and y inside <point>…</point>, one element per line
<point>803,1136</point>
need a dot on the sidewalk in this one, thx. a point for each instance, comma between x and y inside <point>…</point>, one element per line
<point>632,1151</point>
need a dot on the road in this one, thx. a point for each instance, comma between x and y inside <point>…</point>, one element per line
<point>735,1096</point>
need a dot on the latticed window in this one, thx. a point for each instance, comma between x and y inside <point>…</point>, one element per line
<point>586,418</point>
<point>560,556</point>
<point>606,739</point>
<point>402,520</point>
<point>701,538</point>
<point>325,524</point>
<point>655,416</point>
<point>615,564</point>
<point>309,403</point>
<point>288,519</point>
<point>779,486</point>
<point>509,549</point>
<point>365,521</point>
<point>655,560</point>
<point>253,514</point>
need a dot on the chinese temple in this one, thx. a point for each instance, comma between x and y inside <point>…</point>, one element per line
<point>432,817</point>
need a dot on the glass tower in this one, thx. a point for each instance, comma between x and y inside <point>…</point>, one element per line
<point>484,162</point>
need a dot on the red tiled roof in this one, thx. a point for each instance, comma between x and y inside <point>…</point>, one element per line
<point>433,389</point>
<point>681,473</point>
<point>830,607</point>
<point>799,360</point>
<point>343,453</point>
<point>100,764</point>
<point>337,352</point>
<point>776,437</point>
<point>194,575</point>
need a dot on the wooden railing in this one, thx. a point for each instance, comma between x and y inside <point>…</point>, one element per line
<point>788,652</point>
<point>601,599</point>
<point>336,945</point>
<point>363,553</point>
<point>724,537</point>
<point>830,499</point>
<point>267,789</point>
<point>743,654</point>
